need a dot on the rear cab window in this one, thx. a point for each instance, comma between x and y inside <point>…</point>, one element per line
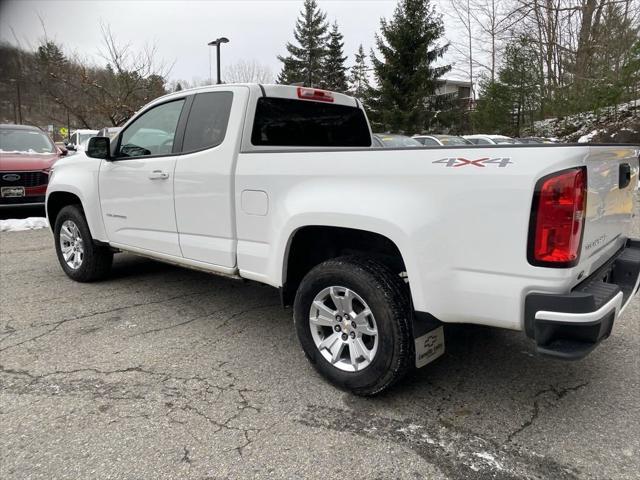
<point>208,120</point>
<point>285,122</point>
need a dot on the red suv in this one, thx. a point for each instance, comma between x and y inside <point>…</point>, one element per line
<point>26,157</point>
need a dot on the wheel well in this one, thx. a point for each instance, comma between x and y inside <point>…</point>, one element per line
<point>57,201</point>
<point>312,245</point>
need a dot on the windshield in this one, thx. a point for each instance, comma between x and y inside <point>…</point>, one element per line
<point>27,141</point>
<point>392,141</point>
<point>84,137</point>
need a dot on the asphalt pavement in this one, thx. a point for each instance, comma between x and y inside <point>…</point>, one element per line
<point>166,373</point>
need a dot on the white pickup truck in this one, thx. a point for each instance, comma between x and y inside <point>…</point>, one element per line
<point>375,248</point>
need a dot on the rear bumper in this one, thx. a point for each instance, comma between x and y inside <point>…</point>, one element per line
<point>569,326</point>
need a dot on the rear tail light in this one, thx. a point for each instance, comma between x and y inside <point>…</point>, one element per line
<point>557,219</point>
<point>314,94</point>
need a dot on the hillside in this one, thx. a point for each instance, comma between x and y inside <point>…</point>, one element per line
<point>619,124</point>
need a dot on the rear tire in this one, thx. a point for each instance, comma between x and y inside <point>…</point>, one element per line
<point>382,341</point>
<point>80,258</point>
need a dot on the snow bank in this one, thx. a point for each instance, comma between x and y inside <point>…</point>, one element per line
<point>619,124</point>
<point>588,137</point>
<point>21,224</point>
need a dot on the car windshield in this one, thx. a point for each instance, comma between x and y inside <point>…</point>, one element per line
<point>84,137</point>
<point>453,140</point>
<point>26,141</point>
<point>391,141</point>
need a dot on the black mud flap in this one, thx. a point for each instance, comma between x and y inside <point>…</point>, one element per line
<point>428,335</point>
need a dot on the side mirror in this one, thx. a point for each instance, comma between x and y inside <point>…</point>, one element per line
<point>99,147</point>
<point>71,147</point>
<point>64,152</point>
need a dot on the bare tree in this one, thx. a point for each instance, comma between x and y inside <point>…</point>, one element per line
<point>248,72</point>
<point>132,78</point>
<point>462,12</point>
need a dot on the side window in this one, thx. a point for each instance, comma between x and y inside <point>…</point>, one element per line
<point>208,119</point>
<point>429,141</point>
<point>153,132</point>
<point>74,139</point>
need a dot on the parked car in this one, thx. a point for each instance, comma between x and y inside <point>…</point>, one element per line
<point>534,140</point>
<point>491,140</point>
<point>441,140</point>
<point>110,132</point>
<point>375,249</point>
<point>79,138</point>
<point>62,147</point>
<point>26,157</point>
<point>387,140</point>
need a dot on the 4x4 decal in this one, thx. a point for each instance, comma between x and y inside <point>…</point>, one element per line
<point>501,162</point>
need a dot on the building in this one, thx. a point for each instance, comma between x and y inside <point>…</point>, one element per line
<point>459,90</point>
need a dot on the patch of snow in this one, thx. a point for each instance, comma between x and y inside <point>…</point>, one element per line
<point>22,224</point>
<point>588,137</point>
<point>490,459</point>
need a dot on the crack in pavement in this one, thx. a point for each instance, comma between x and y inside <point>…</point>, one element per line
<point>458,454</point>
<point>201,317</point>
<point>59,323</point>
<point>176,394</point>
<point>559,392</point>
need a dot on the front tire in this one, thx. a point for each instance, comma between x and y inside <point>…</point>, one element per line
<point>80,258</point>
<point>352,317</point>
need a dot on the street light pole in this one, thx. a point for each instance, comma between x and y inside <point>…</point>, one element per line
<point>218,62</point>
<point>210,78</point>
<point>217,42</point>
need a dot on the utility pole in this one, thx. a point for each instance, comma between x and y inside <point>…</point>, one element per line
<point>217,42</point>
<point>19,100</point>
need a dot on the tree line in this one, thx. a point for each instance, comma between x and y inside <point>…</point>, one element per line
<point>398,88</point>
<point>535,59</point>
<point>526,60</point>
<point>47,86</point>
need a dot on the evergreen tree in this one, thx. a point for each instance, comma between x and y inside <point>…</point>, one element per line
<point>359,80</point>
<point>406,75</point>
<point>511,101</point>
<point>520,77</point>
<point>305,61</point>
<point>493,110</point>
<point>335,72</point>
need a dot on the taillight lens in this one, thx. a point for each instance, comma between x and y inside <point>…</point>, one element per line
<point>314,94</point>
<point>557,219</point>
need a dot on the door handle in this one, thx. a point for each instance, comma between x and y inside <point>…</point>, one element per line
<point>624,176</point>
<point>158,175</point>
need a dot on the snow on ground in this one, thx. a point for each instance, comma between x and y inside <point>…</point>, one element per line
<point>618,124</point>
<point>588,137</point>
<point>18,225</point>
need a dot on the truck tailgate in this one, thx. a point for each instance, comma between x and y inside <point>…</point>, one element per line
<point>612,176</point>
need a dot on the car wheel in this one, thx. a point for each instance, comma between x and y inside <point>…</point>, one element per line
<point>81,259</point>
<point>352,319</point>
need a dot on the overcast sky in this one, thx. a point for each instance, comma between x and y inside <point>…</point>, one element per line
<point>257,29</point>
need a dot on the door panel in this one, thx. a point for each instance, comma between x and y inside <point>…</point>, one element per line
<point>136,188</point>
<point>138,210</point>
<point>204,176</point>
